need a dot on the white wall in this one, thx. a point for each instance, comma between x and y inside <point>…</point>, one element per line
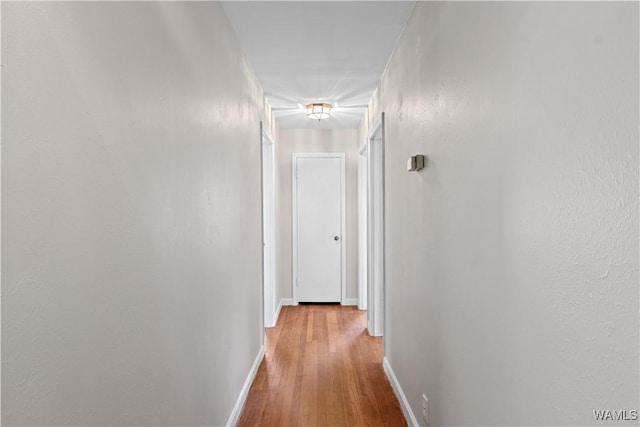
<point>131,218</point>
<point>315,141</point>
<point>512,259</point>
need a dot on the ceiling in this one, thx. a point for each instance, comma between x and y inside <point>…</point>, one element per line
<point>318,51</point>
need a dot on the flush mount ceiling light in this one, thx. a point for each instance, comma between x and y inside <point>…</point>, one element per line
<point>318,110</point>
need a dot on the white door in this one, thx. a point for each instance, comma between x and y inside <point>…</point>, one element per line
<point>374,222</point>
<point>318,226</point>
<point>268,229</point>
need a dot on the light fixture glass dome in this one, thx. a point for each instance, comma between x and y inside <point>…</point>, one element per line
<point>318,110</point>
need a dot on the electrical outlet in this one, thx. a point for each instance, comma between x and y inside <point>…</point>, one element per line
<point>425,409</point>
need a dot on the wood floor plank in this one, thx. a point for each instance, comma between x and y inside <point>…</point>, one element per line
<point>321,368</point>
<point>332,330</point>
<point>310,327</point>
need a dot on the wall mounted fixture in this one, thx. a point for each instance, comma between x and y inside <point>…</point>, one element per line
<point>415,163</point>
<point>318,110</point>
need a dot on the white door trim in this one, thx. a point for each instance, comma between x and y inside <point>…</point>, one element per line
<point>268,231</point>
<point>375,223</point>
<point>362,226</point>
<point>343,221</point>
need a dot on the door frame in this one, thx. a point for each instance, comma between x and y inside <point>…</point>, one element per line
<point>294,222</point>
<point>267,154</point>
<point>375,229</point>
<point>363,188</point>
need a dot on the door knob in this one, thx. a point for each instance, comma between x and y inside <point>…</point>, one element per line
<point>336,238</point>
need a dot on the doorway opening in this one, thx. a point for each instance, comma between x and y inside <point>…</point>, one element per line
<point>371,227</point>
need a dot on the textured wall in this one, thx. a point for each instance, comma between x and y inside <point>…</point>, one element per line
<point>131,222</point>
<point>315,141</point>
<point>512,259</point>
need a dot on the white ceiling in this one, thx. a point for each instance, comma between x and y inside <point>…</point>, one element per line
<point>318,51</point>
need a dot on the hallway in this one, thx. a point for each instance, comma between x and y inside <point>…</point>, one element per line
<point>321,368</point>
<point>142,256</point>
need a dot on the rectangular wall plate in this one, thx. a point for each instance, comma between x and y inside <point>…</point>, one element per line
<point>415,163</point>
<point>425,409</point>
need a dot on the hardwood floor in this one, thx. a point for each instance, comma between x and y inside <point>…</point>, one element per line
<point>321,368</point>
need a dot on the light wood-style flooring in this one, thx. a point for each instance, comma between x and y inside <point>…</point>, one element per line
<point>321,368</point>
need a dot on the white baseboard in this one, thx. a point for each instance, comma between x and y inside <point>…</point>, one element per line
<point>283,302</point>
<point>237,409</point>
<point>406,409</point>
<point>351,301</point>
<point>275,319</point>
